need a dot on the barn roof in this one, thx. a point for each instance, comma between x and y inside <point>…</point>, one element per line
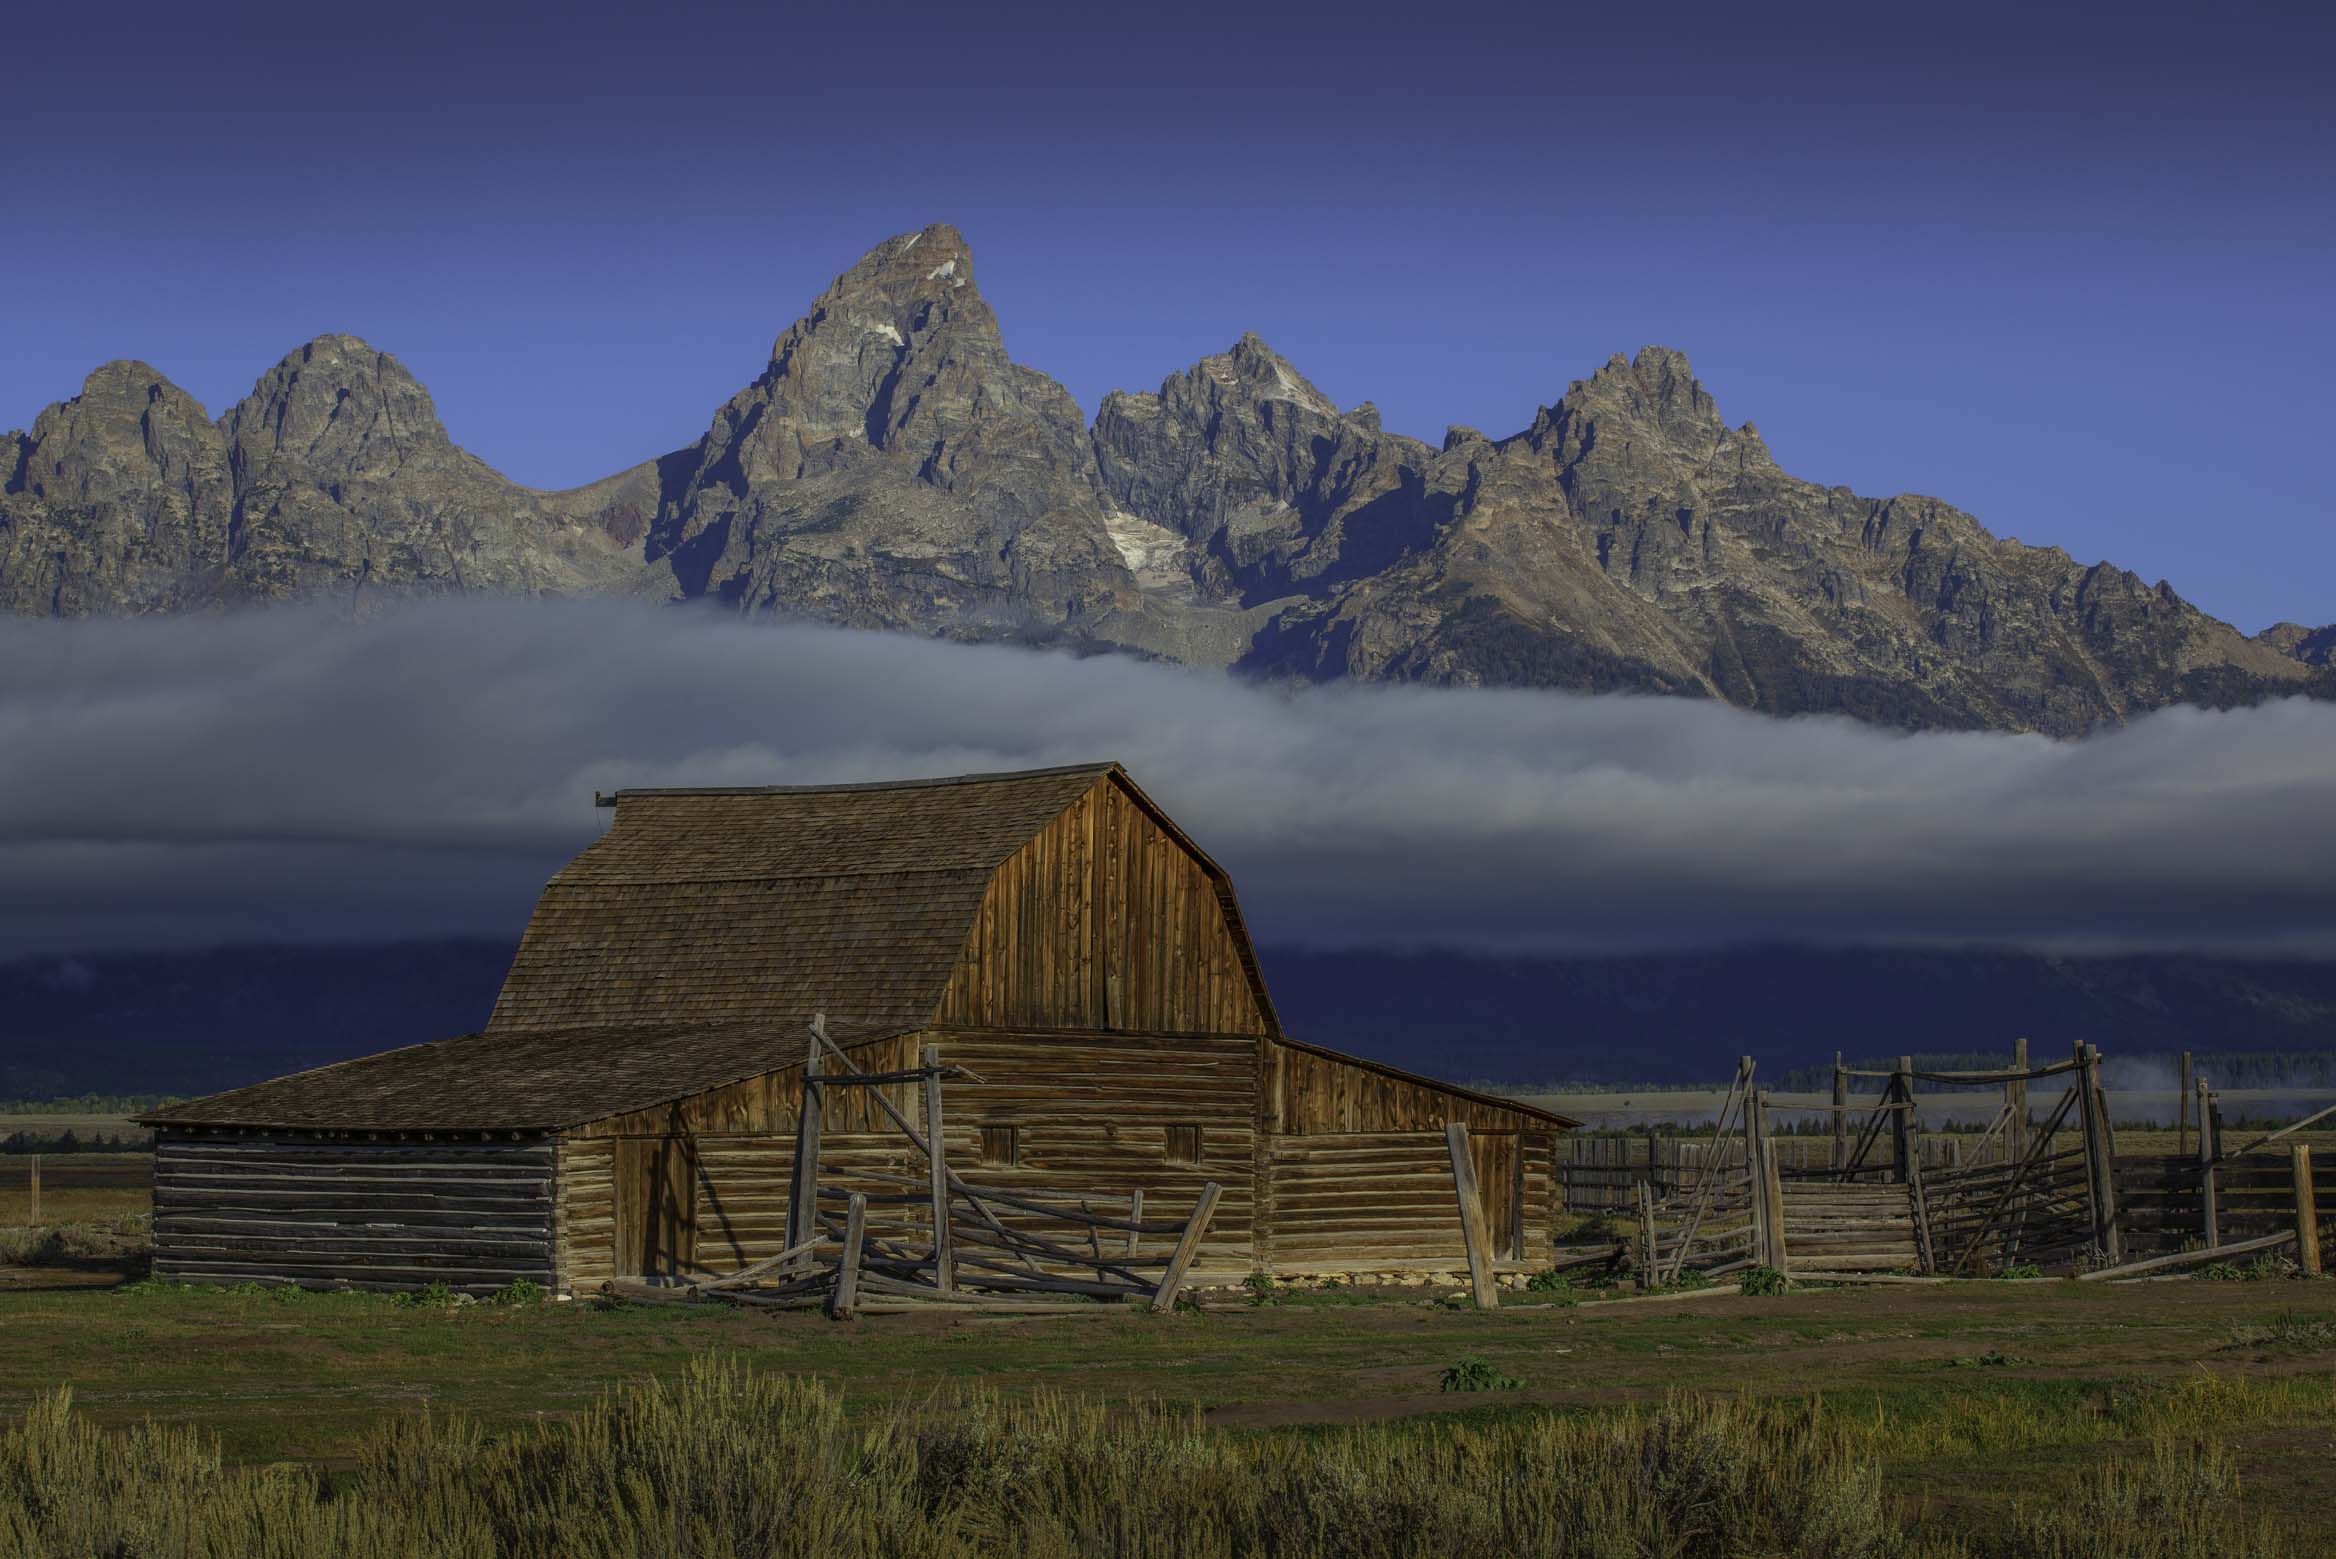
<point>538,1080</point>
<point>689,946</point>
<point>767,905</point>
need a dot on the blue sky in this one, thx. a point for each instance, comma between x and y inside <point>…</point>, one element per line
<point>2068,270</point>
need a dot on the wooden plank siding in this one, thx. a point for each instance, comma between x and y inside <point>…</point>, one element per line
<point>1314,1091</point>
<point>1092,1113</point>
<point>332,1211</point>
<point>1376,1199</point>
<point>1106,919</point>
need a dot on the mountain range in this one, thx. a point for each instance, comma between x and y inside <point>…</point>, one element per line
<point>893,468</point>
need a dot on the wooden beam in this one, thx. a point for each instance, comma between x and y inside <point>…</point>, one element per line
<point>1472,1228</point>
<point>1840,1115</point>
<point>1187,1246</point>
<point>2185,1258</point>
<point>2182,1103</point>
<point>2112,1230</point>
<point>1902,1140</point>
<point>2210,1223</point>
<point>2307,1211</point>
<point>803,1204</point>
<point>847,1276</point>
<point>937,1171</point>
<point>2015,1098</point>
<point>2269,1137</point>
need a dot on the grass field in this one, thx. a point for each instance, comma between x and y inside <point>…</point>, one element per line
<point>1971,1402</point>
<point>77,1187</point>
<point>1976,1395</point>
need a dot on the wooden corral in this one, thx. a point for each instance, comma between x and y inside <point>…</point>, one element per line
<point>631,1108</point>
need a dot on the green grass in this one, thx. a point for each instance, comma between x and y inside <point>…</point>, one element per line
<point>2089,1373</point>
<point>724,1460</point>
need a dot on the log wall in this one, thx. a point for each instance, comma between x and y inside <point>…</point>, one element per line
<point>332,1212</point>
<point>1092,1115</point>
<point>1386,1198</point>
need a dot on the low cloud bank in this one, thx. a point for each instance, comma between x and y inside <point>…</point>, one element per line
<point>283,775</point>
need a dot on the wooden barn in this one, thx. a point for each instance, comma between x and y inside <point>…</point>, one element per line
<point>631,1107</point>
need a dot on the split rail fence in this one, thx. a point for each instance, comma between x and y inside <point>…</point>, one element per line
<point>890,1242</point>
<point>2042,1187</point>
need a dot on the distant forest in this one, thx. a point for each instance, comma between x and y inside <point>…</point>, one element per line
<point>194,1022</point>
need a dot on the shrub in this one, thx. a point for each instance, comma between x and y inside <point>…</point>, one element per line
<point>1764,1282</point>
<point>1476,1375</point>
<point>519,1291</point>
<point>430,1296</point>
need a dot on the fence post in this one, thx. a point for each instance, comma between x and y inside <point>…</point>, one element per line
<point>937,1167</point>
<point>2307,1213</point>
<point>846,1297</point>
<point>2206,1170</point>
<point>1902,1122</point>
<point>1771,1191</point>
<point>2015,1094</point>
<point>803,1205</point>
<point>2182,1102</point>
<point>2112,1232</point>
<point>1649,1273</point>
<point>1756,1171</point>
<point>1840,1114</point>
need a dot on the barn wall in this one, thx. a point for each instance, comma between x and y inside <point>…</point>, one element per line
<point>1365,1199</point>
<point>327,1212</point>
<point>1315,1092</point>
<point>1104,920</point>
<point>1091,1114</point>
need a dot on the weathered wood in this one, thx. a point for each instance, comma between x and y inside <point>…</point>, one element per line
<point>803,1214</point>
<point>847,1272</point>
<point>2307,1211</point>
<point>1472,1230</point>
<point>2014,1182</point>
<point>2270,1137</point>
<point>2186,1258</point>
<point>1902,1123</point>
<point>937,1173</point>
<point>1187,1246</point>
<point>1922,1220</point>
<point>2208,1158</point>
<point>2015,1098</point>
<point>1707,1175</point>
<point>2105,1167</point>
<point>1779,1247</point>
<point>1840,1158</point>
<point>2182,1097</point>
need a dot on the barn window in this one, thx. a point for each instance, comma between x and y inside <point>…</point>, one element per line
<point>1184,1144</point>
<point>1001,1146</point>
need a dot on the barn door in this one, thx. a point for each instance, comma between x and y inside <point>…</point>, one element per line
<point>656,1206</point>
<point>1500,1177</point>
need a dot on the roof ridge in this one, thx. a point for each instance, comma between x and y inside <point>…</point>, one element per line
<point>612,881</point>
<point>611,798</point>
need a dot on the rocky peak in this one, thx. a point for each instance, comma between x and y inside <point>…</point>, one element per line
<point>1651,398</point>
<point>2312,646</point>
<point>129,429</point>
<point>902,333</point>
<point>337,410</point>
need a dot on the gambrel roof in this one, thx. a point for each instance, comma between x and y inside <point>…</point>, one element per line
<point>767,905</point>
<point>690,945</point>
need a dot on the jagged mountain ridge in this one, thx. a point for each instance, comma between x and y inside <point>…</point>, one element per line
<point>893,468</point>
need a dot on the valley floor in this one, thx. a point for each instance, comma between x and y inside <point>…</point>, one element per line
<point>1993,1392</point>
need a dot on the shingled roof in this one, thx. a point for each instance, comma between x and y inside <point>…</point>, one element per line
<point>539,1080</point>
<point>765,906</point>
